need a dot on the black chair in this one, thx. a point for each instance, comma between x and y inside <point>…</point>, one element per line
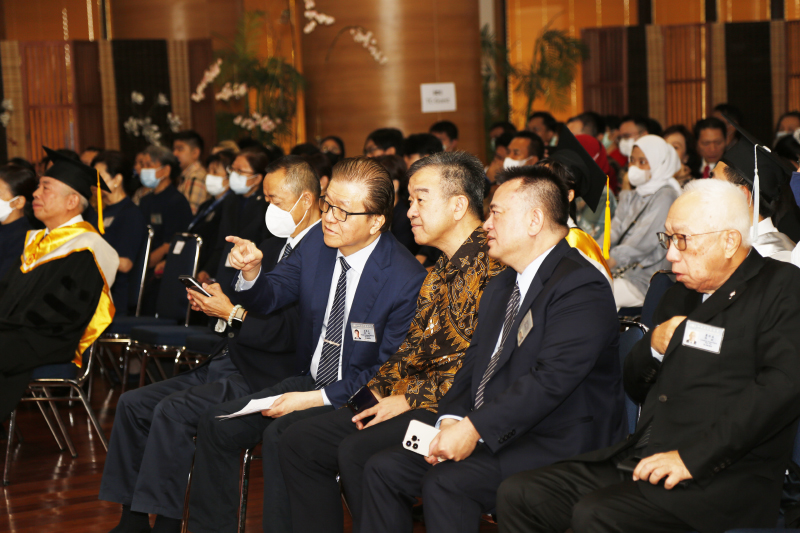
<point>155,341</point>
<point>45,381</point>
<point>630,333</point>
<point>198,348</point>
<point>660,283</point>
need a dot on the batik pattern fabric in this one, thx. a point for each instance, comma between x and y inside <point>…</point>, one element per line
<point>441,331</point>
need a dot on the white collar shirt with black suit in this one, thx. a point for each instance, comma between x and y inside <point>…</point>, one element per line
<point>556,393</point>
<point>731,416</point>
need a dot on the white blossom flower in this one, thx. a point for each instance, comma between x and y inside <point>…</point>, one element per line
<point>237,121</point>
<point>162,99</point>
<point>5,117</point>
<point>174,122</point>
<point>8,105</point>
<point>309,27</point>
<point>132,126</point>
<point>137,97</point>
<point>209,76</point>
<point>310,4</point>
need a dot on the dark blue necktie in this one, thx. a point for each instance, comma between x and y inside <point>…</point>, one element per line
<point>328,369</point>
<point>286,251</point>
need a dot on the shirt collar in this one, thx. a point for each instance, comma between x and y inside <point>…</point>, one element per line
<point>766,226</point>
<point>571,223</point>
<point>465,255</point>
<point>73,220</point>
<point>710,165</point>
<point>526,277</point>
<point>359,259</point>
<point>293,241</point>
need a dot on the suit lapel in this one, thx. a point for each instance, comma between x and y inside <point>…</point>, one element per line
<point>322,288</point>
<point>730,292</point>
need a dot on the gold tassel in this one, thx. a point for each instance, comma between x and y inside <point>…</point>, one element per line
<point>100,225</point>
<point>607,228</point>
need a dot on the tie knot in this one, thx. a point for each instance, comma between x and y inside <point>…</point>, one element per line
<point>345,265</point>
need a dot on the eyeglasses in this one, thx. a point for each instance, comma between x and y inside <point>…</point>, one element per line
<point>338,213</point>
<point>239,171</point>
<point>679,239</point>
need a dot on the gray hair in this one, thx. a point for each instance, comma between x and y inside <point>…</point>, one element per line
<point>723,206</point>
<point>164,157</point>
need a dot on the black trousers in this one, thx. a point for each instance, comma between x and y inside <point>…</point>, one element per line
<point>454,494</point>
<point>586,497</point>
<point>151,447</point>
<point>214,497</point>
<point>313,451</point>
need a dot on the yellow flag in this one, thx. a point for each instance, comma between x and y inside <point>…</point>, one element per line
<point>607,228</point>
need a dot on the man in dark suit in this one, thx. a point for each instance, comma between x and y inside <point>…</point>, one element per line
<point>719,382</point>
<point>351,273</point>
<point>151,447</point>
<point>541,379</point>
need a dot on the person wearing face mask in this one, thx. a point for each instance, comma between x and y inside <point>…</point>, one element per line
<point>787,124</point>
<point>242,215</point>
<point>209,215</point>
<point>16,194</point>
<point>146,462</point>
<point>635,253</point>
<point>526,148</point>
<point>125,227</point>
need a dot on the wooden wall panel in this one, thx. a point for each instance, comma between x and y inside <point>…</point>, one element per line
<point>425,41</point>
<point>12,89</point>
<point>793,65</point>
<point>44,20</point>
<point>749,75</point>
<point>605,80</point>
<point>686,73</point>
<point>88,94</point>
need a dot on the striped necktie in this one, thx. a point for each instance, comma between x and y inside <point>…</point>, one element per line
<point>328,368</point>
<point>511,314</point>
<point>286,251</point>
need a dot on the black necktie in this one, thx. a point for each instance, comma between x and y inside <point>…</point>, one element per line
<point>286,251</point>
<point>511,314</point>
<point>328,368</point>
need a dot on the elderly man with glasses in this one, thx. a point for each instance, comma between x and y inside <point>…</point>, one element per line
<point>719,384</point>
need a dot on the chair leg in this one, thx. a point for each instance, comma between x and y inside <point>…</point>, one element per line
<point>49,422</point>
<point>143,372</point>
<point>12,427</point>
<point>244,482</point>
<point>61,425</point>
<point>185,520</point>
<point>126,357</point>
<point>160,368</point>
<point>92,417</point>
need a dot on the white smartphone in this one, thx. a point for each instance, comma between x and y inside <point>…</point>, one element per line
<point>418,437</point>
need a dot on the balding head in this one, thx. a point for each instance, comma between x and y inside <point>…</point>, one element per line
<point>711,220</point>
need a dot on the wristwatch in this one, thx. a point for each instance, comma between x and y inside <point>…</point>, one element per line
<point>237,313</point>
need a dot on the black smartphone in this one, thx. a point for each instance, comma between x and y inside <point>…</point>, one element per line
<point>628,465</point>
<point>194,285</point>
<point>362,400</point>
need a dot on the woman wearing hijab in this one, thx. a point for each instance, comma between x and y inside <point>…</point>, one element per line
<point>635,253</point>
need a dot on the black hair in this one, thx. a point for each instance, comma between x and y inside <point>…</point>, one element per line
<point>300,174</point>
<point>22,181</point>
<point>710,123</point>
<point>505,139</point>
<point>537,144</point>
<point>338,141</point>
<point>423,144</point>
<point>223,157</point>
<point>163,156</point>
<point>248,142</point>
<point>461,173</point>
<point>693,160</point>
<point>446,127</point>
<point>612,122</point>
<point>93,149</point>
<point>273,151</point>
<point>794,113</point>
<point>322,163</point>
<point>117,163</point>
<point>304,149</point>
<point>593,121</point>
<point>257,159</point>
<point>397,169</point>
<point>641,122</point>
<point>507,126</point>
<point>385,138</point>
<point>565,174</point>
<point>731,111</point>
<point>192,138</point>
<point>789,149</point>
<point>544,188</point>
<point>549,120</point>
<point>22,162</point>
<point>766,208</point>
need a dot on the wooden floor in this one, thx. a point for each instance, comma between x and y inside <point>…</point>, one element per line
<point>51,492</point>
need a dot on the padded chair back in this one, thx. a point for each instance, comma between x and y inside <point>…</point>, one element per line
<point>137,281</point>
<point>659,284</point>
<point>182,258</point>
<point>633,333</point>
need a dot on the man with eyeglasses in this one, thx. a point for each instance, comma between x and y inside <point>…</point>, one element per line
<point>349,274</point>
<point>719,385</point>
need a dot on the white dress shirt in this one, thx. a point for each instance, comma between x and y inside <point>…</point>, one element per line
<point>524,281</point>
<point>357,262</point>
<point>73,220</point>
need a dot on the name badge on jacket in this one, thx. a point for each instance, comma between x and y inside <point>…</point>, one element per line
<point>703,336</point>
<point>362,332</point>
<point>525,327</point>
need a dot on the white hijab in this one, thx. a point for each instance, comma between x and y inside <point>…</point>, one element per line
<point>664,163</point>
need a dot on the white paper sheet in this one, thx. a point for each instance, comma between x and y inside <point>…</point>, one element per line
<point>254,406</point>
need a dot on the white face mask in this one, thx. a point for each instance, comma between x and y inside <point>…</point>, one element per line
<point>239,183</point>
<point>148,178</point>
<point>626,146</point>
<point>214,184</point>
<point>637,176</point>
<point>607,142</point>
<point>511,163</point>
<point>6,209</point>
<point>279,222</point>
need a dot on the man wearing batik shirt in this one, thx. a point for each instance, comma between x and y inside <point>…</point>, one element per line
<point>446,196</point>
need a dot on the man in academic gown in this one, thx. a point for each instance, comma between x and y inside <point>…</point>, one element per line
<point>740,167</point>
<point>56,300</point>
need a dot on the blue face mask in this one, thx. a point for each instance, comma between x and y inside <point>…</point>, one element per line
<point>238,183</point>
<point>148,177</point>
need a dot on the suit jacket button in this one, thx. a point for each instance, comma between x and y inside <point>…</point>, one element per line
<point>716,469</point>
<point>662,398</point>
<point>230,335</point>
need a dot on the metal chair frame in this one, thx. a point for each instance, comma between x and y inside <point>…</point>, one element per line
<point>108,339</point>
<point>40,390</point>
